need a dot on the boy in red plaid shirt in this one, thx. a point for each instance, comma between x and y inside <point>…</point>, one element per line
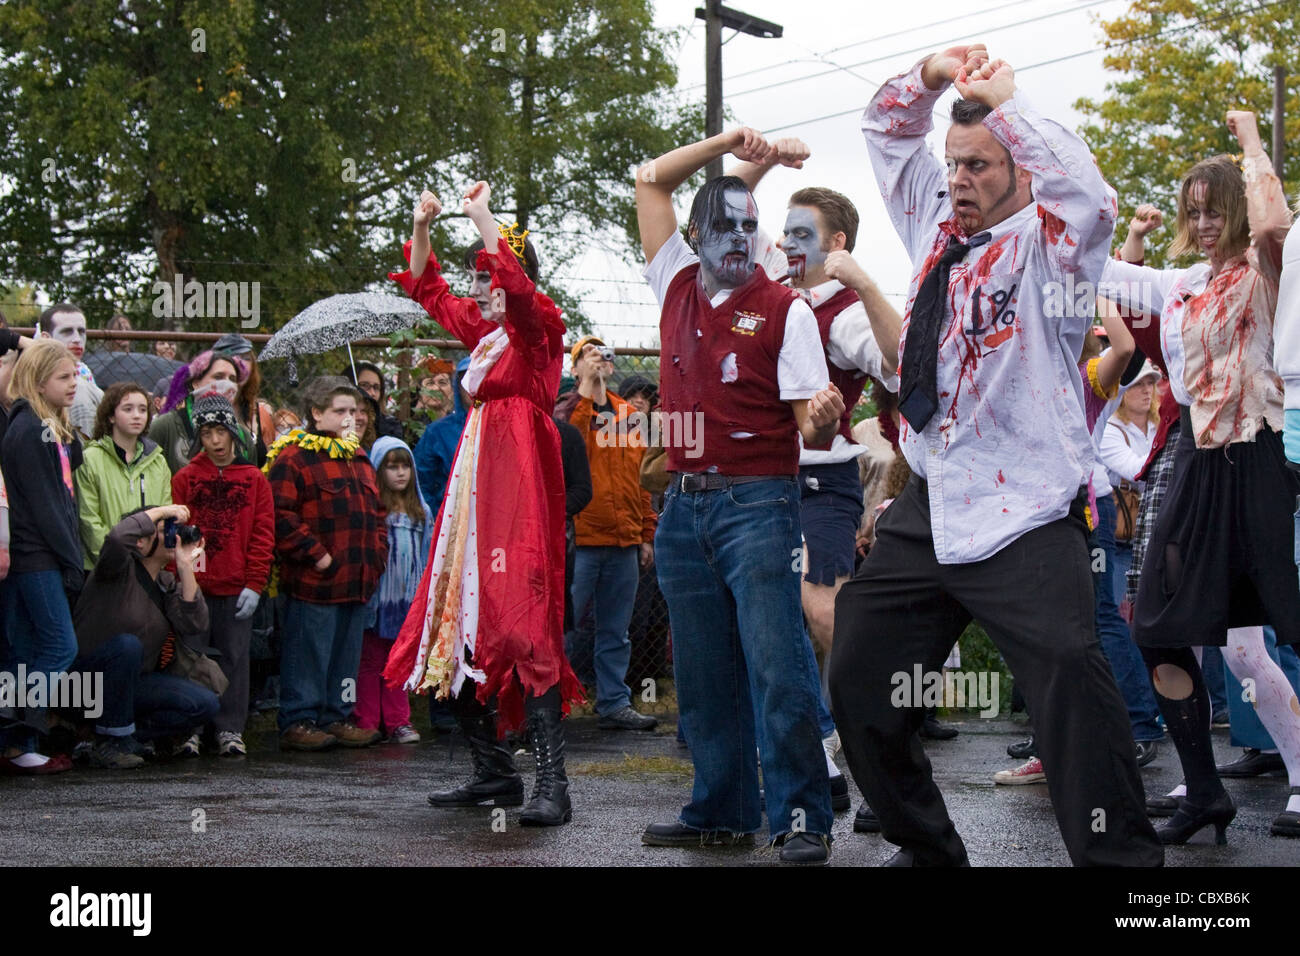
<point>332,541</point>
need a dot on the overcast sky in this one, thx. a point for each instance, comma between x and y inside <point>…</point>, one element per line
<point>833,56</point>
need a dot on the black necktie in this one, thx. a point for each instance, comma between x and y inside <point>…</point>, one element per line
<point>917,390</point>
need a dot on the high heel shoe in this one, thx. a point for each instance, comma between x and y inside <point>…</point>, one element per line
<point>1189,819</point>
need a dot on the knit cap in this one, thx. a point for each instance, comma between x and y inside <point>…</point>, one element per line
<point>211,409</point>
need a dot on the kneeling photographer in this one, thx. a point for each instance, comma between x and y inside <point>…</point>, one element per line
<point>143,628</point>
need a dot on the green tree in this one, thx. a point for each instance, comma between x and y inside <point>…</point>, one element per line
<point>283,142</point>
<point>1183,64</point>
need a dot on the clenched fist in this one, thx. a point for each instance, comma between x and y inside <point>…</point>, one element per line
<point>825,407</point>
<point>842,266</point>
<point>1146,218</point>
<point>944,67</point>
<point>1242,124</point>
<point>991,84</point>
<point>749,146</point>
<point>427,208</point>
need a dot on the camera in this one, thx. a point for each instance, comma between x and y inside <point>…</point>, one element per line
<point>186,533</point>
<point>606,352</point>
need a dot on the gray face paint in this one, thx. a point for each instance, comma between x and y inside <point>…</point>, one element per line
<point>727,240</point>
<point>802,243</point>
<point>480,290</point>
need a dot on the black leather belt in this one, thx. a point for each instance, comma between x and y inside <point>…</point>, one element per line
<point>711,481</point>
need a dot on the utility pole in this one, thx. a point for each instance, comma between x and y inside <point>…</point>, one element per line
<point>715,17</point>
<point>1279,128</point>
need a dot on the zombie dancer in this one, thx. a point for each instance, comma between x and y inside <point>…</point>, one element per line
<point>742,353</point>
<point>1219,565</point>
<point>992,524</point>
<point>486,625</point>
<point>815,255</point>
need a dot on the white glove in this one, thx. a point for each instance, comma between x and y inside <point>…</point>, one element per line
<point>246,604</point>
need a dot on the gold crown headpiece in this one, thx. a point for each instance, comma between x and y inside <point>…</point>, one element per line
<point>514,237</point>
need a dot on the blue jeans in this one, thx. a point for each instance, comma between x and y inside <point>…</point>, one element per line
<point>1116,643</point>
<point>39,625</point>
<point>167,706</point>
<point>729,567</point>
<point>825,722</point>
<point>149,705</point>
<point>118,660</point>
<point>319,659</point>
<point>605,578</point>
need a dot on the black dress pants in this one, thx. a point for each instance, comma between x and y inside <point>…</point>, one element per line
<point>1034,598</point>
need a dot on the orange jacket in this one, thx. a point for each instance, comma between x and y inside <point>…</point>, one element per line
<point>620,513</point>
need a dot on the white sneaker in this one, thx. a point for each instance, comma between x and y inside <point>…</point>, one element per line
<point>231,744</point>
<point>188,748</point>
<point>405,734</point>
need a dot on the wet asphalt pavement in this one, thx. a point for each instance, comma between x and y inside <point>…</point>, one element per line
<point>368,807</point>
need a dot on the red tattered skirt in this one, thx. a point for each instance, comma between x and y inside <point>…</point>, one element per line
<point>490,607</point>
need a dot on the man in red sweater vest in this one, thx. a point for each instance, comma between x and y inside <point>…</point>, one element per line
<point>741,355</point>
<point>814,254</point>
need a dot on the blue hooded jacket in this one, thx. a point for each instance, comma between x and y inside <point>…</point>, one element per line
<point>436,449</point>
<point>409,544</point>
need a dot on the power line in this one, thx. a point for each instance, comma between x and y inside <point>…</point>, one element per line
<point>1168,31</point>
<point>886,36</point>
<point>920,49</point>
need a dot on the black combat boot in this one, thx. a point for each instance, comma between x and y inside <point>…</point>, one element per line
<point>549,805</point>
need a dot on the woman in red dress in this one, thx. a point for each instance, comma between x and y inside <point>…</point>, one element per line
<point>486,626</point>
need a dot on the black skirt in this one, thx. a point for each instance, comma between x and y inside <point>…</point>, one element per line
<point>1222,552</point>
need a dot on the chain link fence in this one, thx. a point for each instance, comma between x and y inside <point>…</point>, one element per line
<point>418,392</point>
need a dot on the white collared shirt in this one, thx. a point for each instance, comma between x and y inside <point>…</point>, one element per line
<point>1008,449</point>
<point>851,345</point>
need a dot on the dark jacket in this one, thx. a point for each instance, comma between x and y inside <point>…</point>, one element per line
<point>577,472</point>
<point>120,599</point>
<point>44,532</point>
<point>436,449</point>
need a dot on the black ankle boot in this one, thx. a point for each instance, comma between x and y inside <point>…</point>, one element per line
<point>550,805</point>
<point>496,780</point>
<point>1189,819</point>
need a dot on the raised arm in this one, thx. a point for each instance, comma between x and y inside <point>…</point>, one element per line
<point>886,323</point>
<point>1266,208</point>
<point>1146,220</point>
<point>787,151</point>
<point>895,125</point>
<point>658,179</point>
<point>1078,205</point>
<point>1113,362</point>
<point>530,319</point>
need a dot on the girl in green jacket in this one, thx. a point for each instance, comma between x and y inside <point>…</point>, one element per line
<point>122,469</point>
